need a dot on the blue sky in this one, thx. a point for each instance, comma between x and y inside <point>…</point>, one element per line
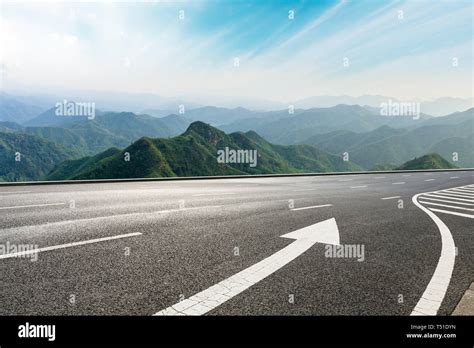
<point>406,49</point>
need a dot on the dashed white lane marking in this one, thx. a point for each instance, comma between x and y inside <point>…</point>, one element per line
<point>31,206</point>
<point>454,177</point>
<point>213,194</point>
<point>360,186</point>
<point>379,177</point>
<point>345,180</point>
<point>393,197</point>
<point>406,175</point>
<point>447,206</point>
<point>429,179</point>
<point>433,296</point>
<point>312,207</point>
<point>304,190</point>
<point>68,245</point>
<point>398,183</point>
<point>12,192</point>
<point>452,213</point>
<point>325,232</point>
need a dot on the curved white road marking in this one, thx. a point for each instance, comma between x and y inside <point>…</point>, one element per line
<point>433,296</point>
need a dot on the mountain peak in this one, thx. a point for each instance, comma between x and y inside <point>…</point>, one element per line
<point>205,130</point>
<point>429,161</point>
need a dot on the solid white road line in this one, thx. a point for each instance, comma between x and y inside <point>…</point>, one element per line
<point>446,201</point>
<point>345,180</point>
<point>68,245</point>
<point>312,207</point>
<point>434,293</point>
<point>361,186</point>
<point>454,195</point>
<point>325,232</point>
<point>398,183</point>
<point>429,179</point>
<point>393,197</point>
<point>462,190</point>
<point>379,177</point>
<point>11,192</point>
<point>407,175</point>
<point>452,213</point>
<point>459,194</point>
<point>31,206</point>
<point>447,206</point>
<point>437,195</point>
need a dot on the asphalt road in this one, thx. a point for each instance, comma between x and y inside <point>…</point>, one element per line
<point>190,235</point>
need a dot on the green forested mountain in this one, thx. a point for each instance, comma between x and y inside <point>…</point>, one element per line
<point>429,161</point>
<point>296,128</point>
<point>37,157</point>
<point>88,137</point>
<point>13,109</point>
<point>386,146</point>
<point>194,153</point>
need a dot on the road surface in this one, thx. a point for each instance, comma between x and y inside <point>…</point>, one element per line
<point>140,248</point>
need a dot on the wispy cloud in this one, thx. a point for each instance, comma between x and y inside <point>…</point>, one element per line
<point>394,47</point>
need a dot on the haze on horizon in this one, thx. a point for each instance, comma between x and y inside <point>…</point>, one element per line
<point>402,49</point>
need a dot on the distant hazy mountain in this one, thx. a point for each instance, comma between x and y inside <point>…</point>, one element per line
<point>327,101</point>
<point>8,127</point>
<point>392,146</point>
<point>429,161</point>
<point>297,127</point>
<point>14,110</point>
<point>88,137</point>
<point>218,116</point>
<point>195,152</point>
<point>157,112</point>
<point>445,106</point>
<point>436,107</point>
<point>37,157</point>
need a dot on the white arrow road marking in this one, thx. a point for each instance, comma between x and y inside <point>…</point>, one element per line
<point>323,232</point>
<point>68,245</point>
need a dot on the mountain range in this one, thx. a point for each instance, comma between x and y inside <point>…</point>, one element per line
<point>195,153</point>
<point>300,140</point>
